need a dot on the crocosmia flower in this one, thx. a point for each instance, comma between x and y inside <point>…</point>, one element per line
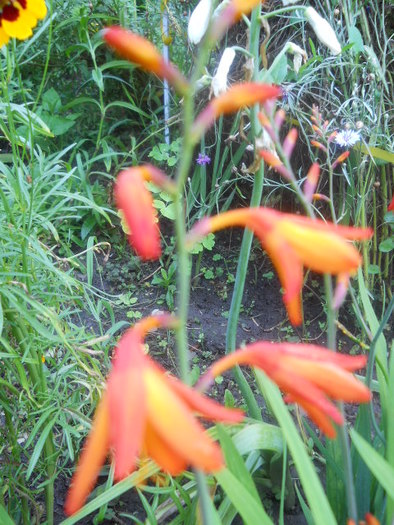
<point>145,412</point>
<point>18,18</point>
<point>310,375</point>
<point>236,98</point>
<point>136,204</point>
<point>293,242</point>
<point>139,50</point>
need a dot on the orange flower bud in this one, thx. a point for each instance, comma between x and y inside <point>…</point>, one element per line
<point>236,98</point>
<point>140,51</point>
<point>341,159</point>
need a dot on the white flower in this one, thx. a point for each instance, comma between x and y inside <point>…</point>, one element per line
<point>347,138</point>
<point>219,81</point>
<point>323,30</point>
<point>199,21</point>
<point>299,55</point>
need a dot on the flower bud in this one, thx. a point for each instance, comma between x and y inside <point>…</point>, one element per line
<point>219,81</point>
<point>199,20</point>
<point>323,30</point>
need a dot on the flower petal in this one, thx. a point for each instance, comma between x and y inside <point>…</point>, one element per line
<point>91,460</point>
<point>177,427</point>
<point>165,456</point>
<point>136,203</point>
<point>126,396</point>
<point>208,408</point>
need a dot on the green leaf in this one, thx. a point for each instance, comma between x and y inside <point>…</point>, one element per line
<point>51,101</point>
<point>39,446</point>
<point>97,77</point>
<point>380,468</point>
<point>314,492</point>
<point>4,517</point>
<point>235,463</point>
<point>387,245</point>
<point>356,39</point>
<point>251,511</point>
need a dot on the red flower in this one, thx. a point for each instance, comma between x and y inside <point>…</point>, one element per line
<point>136,204</point>
<point>310,376</point>
<point>293,242</point>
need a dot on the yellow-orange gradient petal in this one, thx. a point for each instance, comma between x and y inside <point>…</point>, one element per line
<point>166,457</point>
<point>92,458</point>
<point>142,52</point>
<point>136,203</point>
<point>177,427</point>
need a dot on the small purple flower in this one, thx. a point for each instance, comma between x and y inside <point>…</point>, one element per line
<point>203,159</point>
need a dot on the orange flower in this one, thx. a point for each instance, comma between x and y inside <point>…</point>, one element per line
<point>136,204</point>
<point>235,98</point>
<point>369,520</point>
<point>293,242</point>
<point>230,15</point>
<point>146,412</point>
<point>139,50</point>
<point>310,375</point>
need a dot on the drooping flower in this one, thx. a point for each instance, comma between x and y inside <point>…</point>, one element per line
<point>203,159</point>
<point>347,138</point>
<point>136,204</point>
<point>235,98</point>
<point>18,18</point>
<point>219,81</point>
<point>140,51</point>
<point>146,412</point>
<point>310,375</point>
<point>323,30</point>
<point>293,242</point>
<point>299,55</point>
<point>198,21</point>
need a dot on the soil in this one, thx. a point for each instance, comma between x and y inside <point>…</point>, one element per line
<point>263,316</point>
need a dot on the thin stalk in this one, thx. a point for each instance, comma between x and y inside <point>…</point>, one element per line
<point>342,432</point>
<point>242,266</point>
<point>204,498</point>
<point>183,269</point>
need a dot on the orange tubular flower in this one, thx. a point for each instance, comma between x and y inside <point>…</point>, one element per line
<point>235,98</point>
<point>146,412</point>
<point>293,242</point>
<point>17,18</point>
<point>230,15</point>
<point>139,50</point>
<point>310,376</point>
<point>136,203</point>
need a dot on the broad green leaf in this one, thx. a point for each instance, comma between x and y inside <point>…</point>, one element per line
<point>380,468</point>
<point>4,517</point>
<point>378,153</point>
<point>251,511</point>
<point>235,463</point>
<point>314,492</point>
<point>356,39</point>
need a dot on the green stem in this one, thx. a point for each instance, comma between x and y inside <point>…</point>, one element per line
<point>242,266</point>
<point>342,432</point>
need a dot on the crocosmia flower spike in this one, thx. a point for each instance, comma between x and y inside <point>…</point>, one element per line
<point>145,412</point>
<point>310,375</point>
<point>234,99</point>
<point>293,242</point>
<point>136,204</point>
<point>18,18</point>
<point>139,50</point>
